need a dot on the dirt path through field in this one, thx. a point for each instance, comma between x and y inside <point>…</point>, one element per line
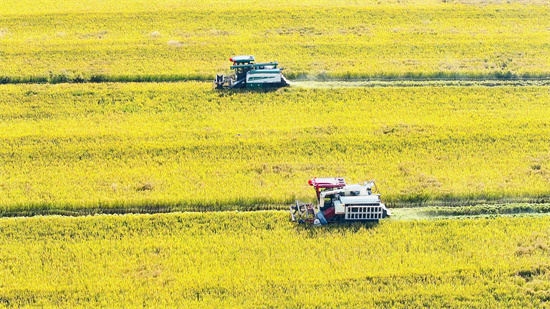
<point>441,83</point>
<point>429,213</point>
<point>398,214</point>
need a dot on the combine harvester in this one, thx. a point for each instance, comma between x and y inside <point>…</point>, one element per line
<point>338,202</point>
<point>251,75</point>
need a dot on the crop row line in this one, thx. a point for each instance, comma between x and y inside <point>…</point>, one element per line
<point>431,208</point>
<point>379,80</point>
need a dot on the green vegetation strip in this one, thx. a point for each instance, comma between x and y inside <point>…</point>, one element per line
<point>252,260</point>
<point>414,213</point>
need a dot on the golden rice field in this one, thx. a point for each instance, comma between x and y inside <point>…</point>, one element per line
<point>54,40</point>
<point>260,260</point>
<point>80,136</point>
<point>181,146</point>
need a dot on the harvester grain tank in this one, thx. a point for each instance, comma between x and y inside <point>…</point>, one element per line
<point>251,75</point>
<point>339,202</point>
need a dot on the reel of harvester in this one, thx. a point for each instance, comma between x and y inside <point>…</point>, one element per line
<point>248,74</point>
<point>339,202</point>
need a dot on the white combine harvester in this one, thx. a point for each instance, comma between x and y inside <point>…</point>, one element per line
<point>338,202</point>
<point>251,75</point>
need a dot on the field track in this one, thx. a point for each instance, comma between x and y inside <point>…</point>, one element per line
<point>320,82</point>
<point>398,214</point>
<point>420,83</point>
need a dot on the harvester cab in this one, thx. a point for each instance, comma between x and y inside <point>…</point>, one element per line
<point>339,202</point>
<point>251,75</point>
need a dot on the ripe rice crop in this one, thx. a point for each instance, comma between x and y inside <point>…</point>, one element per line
<point>181,146</point>
<point>257,260</point>
<point>104,147</point>
<point>55,41</point>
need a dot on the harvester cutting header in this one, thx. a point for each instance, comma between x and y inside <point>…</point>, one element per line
<point>338,202</point>
<point>251,75</point>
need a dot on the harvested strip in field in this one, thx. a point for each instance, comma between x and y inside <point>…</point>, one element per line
<point>412,83</point>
